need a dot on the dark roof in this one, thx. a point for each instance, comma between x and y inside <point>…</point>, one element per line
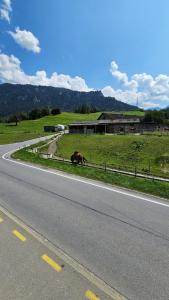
<point>104,122</point>
<point>114,116</point>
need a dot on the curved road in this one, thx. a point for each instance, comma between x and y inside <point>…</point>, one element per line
<point>121,236</point>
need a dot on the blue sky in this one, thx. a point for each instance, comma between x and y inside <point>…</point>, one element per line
<point>118,46</point>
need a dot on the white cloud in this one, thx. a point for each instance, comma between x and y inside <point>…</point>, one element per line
<point>11,72</point>
<point>122,77</point>
<point>150,91</point>
<point>26,39</point>
<point>5,10</point>
<point>126,96</point>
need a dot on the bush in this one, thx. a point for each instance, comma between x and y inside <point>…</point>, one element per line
<point>45,112</point>
<point>35,114</point>
<point>55,111</point>
<point>155,117</point>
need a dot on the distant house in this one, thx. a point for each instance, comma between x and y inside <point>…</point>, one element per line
<point>115,123</point>
<point>54,128</point>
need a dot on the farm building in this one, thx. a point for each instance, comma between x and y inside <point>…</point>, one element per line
<point>115,123</point>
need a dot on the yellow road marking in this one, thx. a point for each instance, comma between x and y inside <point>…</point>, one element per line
<point>109,291</point>
<point>91,296</point>
<point>1,220</point>
<point>19,235</point>
<point>52,263</point>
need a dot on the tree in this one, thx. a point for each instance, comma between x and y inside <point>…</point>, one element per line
<point>23,116</point>
<point>55,111</point>
<point>45,112</point>
<point>154,116</point>
<point>35,114</point>
<point>85,109</point>
<point>13,119</point>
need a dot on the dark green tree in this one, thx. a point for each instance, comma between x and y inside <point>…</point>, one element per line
<point>85,109</point>
<point>154,116</point>
<point>35,114</point>
<point>13,119</point>
<point>45,112</point>
<point>55,111</point>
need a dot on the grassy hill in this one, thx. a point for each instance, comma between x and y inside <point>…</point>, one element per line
<point>9,133</point>
<point>146,152</point>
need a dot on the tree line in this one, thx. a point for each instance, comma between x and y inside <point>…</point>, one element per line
<point>34,114</point>
<point>159,117</point>
<point>86,109</point>
<point>37,113</point>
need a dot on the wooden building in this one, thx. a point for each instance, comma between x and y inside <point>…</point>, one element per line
<point>115,123</point>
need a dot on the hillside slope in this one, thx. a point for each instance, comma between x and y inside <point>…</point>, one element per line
<point>17,98</point>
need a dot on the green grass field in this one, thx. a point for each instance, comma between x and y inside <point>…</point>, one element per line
<point>31,129</point>
<point>9,133</point>
<point>147,153</point>
<point>147,186</point>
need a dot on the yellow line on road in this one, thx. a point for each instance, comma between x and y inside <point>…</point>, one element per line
<point>1,220</point>
<point>91,296</point>
<point>52,263</point>
<point>19,235</point>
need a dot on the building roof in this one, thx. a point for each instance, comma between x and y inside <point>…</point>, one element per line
<point>114,116</point>
<point>105,122</point>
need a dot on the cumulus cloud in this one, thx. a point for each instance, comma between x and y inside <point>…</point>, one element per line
<point>122,77</point>
<point>11,72</point>
<point>148,90</point>
<point>5,10</point>
<point>26,39</point>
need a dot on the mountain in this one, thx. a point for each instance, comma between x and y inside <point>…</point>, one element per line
<point>23,98</point>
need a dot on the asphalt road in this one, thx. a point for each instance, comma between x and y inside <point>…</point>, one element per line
<point>121,236</point>
<point>31,271</point>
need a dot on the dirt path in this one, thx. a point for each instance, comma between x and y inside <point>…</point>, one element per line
<point>52,148</point>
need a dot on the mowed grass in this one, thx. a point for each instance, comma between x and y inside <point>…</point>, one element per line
<point>9,133</point>
<point>147,186</point>
<point>125,152</point>
<point>135,113</point>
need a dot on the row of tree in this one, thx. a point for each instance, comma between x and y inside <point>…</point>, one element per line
<point>159,117</point>
<point>85,109</point>
<point>34,114</point>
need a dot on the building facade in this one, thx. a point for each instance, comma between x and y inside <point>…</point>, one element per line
<point>115,123</point>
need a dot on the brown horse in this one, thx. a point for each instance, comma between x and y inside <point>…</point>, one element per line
<point>77,158</point>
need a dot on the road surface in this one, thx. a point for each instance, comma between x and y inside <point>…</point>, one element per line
<point>120,236</point>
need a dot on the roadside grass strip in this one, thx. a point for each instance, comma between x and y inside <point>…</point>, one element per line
<point>19,235</point>
<point>1,220</point>
<point>91,296</point>
<point>51,263</point>
<point>147,186</point>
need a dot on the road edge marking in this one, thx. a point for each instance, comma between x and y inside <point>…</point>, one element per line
<point>73,178</point>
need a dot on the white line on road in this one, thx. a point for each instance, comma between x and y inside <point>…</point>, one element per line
<point>83,180</point>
